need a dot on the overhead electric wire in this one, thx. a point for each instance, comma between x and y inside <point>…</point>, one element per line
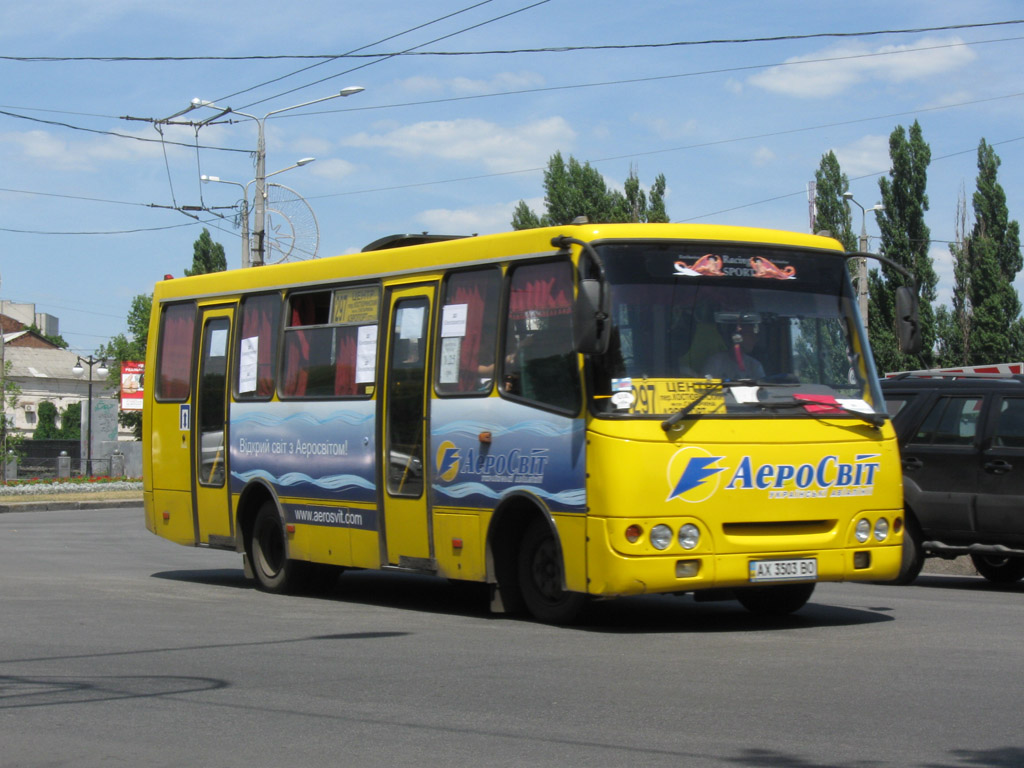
<point>385,57</point>
<point>354,51</point>
<point>326,57</point>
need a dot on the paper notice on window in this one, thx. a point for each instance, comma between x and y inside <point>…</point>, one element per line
<point>366,354</point>
<point>218,343</point>
<point>453,320</point>
<point>450,348</point>
<point>410,322</point>
<point>247,362</point>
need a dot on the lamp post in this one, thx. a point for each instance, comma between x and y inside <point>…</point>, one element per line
<point>862,262</point>
<point>246,245</point>
<point>89,361</point>
<point>259,203</point>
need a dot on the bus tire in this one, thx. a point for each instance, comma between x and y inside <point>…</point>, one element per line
<point>541,579</point>
<point>999,570</point>
<point>269,557</point>
<point>775,600</point>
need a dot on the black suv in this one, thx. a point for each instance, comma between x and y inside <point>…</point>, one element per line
<point>962,443</point>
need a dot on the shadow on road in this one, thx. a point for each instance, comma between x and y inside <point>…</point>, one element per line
<point>632,615</point>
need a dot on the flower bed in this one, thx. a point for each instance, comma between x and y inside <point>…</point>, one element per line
<point>35,485</point>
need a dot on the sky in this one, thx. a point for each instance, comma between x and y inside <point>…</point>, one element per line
<point>735,102</point>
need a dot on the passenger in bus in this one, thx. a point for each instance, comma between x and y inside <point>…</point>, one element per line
<point>740,330</point>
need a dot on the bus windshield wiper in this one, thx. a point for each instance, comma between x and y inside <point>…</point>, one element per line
<point>713,387</point>
<point>824,409</point>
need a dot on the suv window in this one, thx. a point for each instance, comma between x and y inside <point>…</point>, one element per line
<point>951,421</point>
<point>1010,428</point>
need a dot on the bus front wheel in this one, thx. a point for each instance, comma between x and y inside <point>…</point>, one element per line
<point>776,600</point>
<point>268,554</point>
<point>540,578</point>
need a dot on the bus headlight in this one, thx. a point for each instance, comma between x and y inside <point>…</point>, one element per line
<point>661,536</point>
<point>689,536</point>
<point>863,532</point>
<point>881,529</point>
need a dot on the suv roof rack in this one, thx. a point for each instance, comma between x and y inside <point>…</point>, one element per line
<point>400,241</point>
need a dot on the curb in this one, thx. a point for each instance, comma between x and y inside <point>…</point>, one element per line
<point>47,506</point>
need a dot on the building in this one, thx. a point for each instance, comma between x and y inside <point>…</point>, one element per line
<point>43,370</point>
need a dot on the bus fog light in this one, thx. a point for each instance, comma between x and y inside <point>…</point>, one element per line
<point>633,533</point>
<point>687,569</point>
<point>861,560</point>
<point>881,529</point>
<point>689,536</point>
<point>863,532</point>
<point>661,536</point>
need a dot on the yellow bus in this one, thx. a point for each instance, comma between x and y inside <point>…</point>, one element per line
<point>562,413</point>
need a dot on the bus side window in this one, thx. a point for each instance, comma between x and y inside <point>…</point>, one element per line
<point>468,330</point>
<point>330,341</point>
<point>539,361</point>
<point>174,360</point>
<point>257,353</point>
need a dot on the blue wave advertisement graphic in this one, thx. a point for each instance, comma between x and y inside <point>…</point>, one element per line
<point>292,479</point>
<point>321,450</point>
<point>571,498</point>
<point>545,429</point>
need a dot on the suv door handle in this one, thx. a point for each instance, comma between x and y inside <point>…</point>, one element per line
<point>911,463</point>
<point>998,466</point>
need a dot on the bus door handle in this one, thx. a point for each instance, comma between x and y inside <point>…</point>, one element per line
<point>910,463</point>
<point>998,466</point>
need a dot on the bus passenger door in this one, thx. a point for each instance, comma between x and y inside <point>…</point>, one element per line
<point>211,501</point>
<point>406,510</point>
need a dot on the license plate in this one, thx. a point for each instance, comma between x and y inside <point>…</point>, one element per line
<point>804,569</point>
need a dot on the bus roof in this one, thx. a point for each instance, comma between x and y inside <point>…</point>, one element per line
<point>390,257</point>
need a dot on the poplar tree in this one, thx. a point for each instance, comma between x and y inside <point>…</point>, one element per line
<point>905,240</point>
<point>996,333</point>
<point>831,212</point>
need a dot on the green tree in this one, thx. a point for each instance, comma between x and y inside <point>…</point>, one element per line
<point>207,256</point>
<point>10,440</point>
<point>71,422</point>
<point>46,424</point>
<point>572,189</point>
<point>995,333</point>
<point>132,347</point>
<point>831,211</point>
<point>905,240</point>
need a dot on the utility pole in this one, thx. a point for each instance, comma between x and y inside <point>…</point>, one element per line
<point>258,248</point>
<point>862,262</point>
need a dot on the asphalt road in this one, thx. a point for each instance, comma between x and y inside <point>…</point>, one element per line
<point>120,649</point>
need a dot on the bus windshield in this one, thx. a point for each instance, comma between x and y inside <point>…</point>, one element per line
<point>718,329</point>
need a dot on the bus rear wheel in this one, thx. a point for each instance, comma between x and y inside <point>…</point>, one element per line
<point>541,578</point>
<point>268,554</point>
<point>775,600</point>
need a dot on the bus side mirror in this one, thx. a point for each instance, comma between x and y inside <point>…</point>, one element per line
<point>592,318</point>
<point>908,324</point>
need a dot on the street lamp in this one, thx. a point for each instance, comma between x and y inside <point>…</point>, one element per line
<point>862,262</point>
<point>102,370</point>
<point>246,246</point>
<point>259,207</point>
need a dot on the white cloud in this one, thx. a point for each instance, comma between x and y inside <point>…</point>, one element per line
<point>333,168</point>
<point>867,155</point>
<point>854,63</point>
<point>472,141</point>
<point>762,157</point>
<point>477,220</point>
<point>499,83</point>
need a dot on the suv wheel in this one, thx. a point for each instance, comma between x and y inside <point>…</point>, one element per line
<point>913,557</point>
<point>1001,570</point>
